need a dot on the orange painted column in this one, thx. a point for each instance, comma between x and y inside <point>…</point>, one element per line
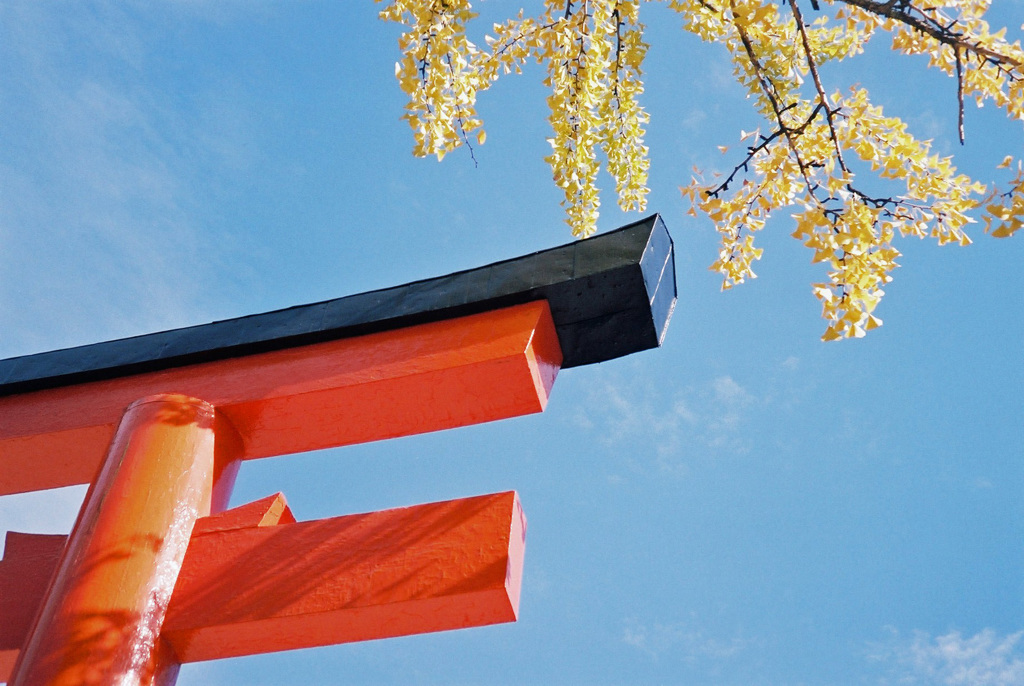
<point>101,618</point>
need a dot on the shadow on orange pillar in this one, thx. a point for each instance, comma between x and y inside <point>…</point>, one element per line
<point>255,581</point>
<point>101,618</point>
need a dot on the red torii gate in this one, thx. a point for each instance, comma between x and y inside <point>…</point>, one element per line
<point>156,573</point>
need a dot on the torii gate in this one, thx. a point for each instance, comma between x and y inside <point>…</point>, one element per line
<point>155,573</point>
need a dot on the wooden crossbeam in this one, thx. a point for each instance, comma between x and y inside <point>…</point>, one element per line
<point>395,572</point>
<point>395,383</point>
<point>255,581</point>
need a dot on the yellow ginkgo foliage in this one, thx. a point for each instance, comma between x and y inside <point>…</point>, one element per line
<point>818,153</point>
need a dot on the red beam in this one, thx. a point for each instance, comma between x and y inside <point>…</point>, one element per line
<point>413,380</point>
<point>253,581</point>
<point>25,571</point>
<point>447,565</point>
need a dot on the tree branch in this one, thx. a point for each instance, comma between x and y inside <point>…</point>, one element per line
<point>959,94</point>
<point>897,9</point>
<point>822,97</point>
<point>765,142</point>
<point>770,92</point>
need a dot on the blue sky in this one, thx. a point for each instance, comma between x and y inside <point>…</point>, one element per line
<point>745,505</point>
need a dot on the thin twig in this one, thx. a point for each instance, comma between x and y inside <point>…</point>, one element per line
<point>928,25</point>
<point>753,150</point>
<point>822,97</point>
<point>959,93</point>
<point>458,118</point>
<point>770,92</point>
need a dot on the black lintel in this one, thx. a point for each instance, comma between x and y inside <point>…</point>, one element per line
<point>610,295</point>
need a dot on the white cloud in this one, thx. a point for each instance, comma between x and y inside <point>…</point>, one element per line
<point>729,392</point>
<point>984,659</point>
<point>730,401</point>
<point>680,641</point>
<point>670,425</point>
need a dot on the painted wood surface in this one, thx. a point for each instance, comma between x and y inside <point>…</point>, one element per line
<point>257,589</point>
<point>100,619</point>
<point>396,383</point>
<point>254,580</point>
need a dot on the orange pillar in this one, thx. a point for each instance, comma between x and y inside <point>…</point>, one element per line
<point>101,618</point>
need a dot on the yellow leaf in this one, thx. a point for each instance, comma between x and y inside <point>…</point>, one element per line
<point>1008,229</point>
<point>830,334</point>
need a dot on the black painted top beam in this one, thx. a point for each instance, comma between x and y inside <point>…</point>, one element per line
<point>610,295</point>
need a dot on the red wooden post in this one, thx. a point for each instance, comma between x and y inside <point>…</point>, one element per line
<point>102,615</point>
